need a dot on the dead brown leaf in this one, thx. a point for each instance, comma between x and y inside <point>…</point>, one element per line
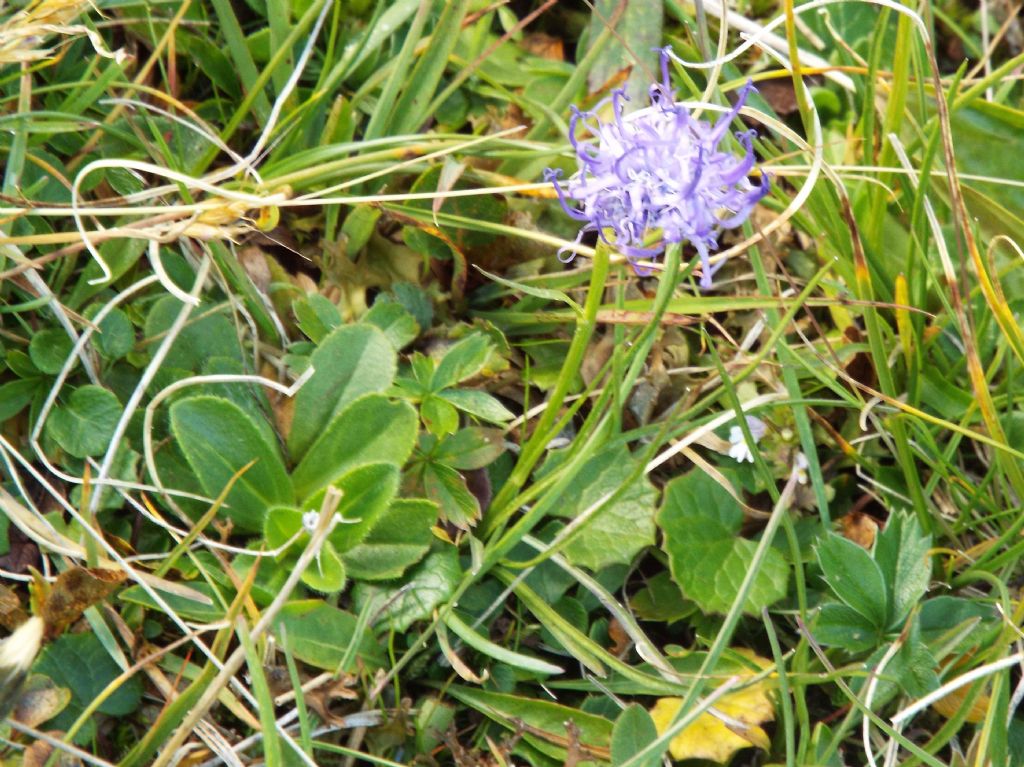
<point>11,613</point>
<point>859,528</point>
<point>39,701</point>
<point>73,592</point>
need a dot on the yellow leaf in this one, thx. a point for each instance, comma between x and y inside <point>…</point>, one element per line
<point>711,738</point>
<point>950,705</point>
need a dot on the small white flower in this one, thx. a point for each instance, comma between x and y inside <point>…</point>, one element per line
<point>739,450</point>
<point>800,464</point>
<point>309,520</point>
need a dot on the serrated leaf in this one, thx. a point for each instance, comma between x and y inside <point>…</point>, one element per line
<point>634,730</point>
<point>84,426</point>
<point>218,439</point>
<point>372,429</point>
<point>841,626</point>
<point>901,552</point>
<point>463,360</point>
<point>660,601</point>
<point>854,577</point>
<point>478,403</point>
<point>428,585</point>
<point>317,316</point>
<point>708,560</point>
<point>447,488</point>
<point>399,540</point>
<point>470,448</point>
<point>394,321</point>
<point>352,361</point>
<point>914,668</point>
<point>623,526</point>
<point>440,417</point>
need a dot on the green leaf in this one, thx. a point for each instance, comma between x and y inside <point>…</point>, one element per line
<point>462,360</point>
<point>410,111</point>
<point>854,577</point>
<point>366,492</point>
<point>120,253</point>
<point>702,522</point>
<point>638,32</point>
<point>447,488</point>
<point>914,668</point>
<point>624,526</point>
<point>470,448</point>
<point>206,611</point>
<point>359,226</point>
<point>478,403</point>
<point>352,361</point>
<point>86,424</point>
<point>428,585</point>
<point>320,635</point>
<point>218,438</point>
<point>49,350</point>
<point>202,337</point>
<point>413,299</point>
<point>326,572</point>
<point>440,417</point>
<point>372,429</point>
<point>634,730</point>
<point>659,601</point>
<point>116,336</point>
<point>282,524</point>
<point>15,395</point>
<point>546,721</point>
<point>399,540</point>
<point>939,615</point>
<point>394,321</point>
<point>842,626</point>
<point>481,644</point>
<point>317,316</point>
<point>81,663</point>
<point>901,552</point>
<point>548,294</point>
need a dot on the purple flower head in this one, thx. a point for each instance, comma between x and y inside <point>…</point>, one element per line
<point>659,170</point>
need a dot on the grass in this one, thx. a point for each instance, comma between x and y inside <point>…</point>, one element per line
<point>314,452</point>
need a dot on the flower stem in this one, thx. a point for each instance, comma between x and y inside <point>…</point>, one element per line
<point>535,446</point>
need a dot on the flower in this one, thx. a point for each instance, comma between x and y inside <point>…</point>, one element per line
<point>801,465</point>
<point>659,170</point>
<point>738,447</point>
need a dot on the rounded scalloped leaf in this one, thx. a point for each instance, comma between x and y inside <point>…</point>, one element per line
<point>708,560</point>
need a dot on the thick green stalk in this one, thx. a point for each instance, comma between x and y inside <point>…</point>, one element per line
<point>534,448</point>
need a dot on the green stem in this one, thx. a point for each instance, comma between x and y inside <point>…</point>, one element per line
<point>534,448</point>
